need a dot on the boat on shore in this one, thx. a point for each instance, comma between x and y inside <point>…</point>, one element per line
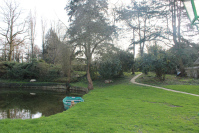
<point>70,101</point>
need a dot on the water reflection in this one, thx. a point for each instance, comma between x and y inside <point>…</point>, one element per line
<point>25,106</point>
<point>18,114</point>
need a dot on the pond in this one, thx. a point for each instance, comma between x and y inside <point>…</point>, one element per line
<point>26,105</point>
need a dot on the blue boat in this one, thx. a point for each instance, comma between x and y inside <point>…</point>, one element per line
<point>68,101</point>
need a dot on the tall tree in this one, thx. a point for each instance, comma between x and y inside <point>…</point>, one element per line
<point>18,50</point>
<point>43,24</point>
<point>140,18</point>
<point>64,59</point>
<point>32,32</point>
<point>12,25</point>
<point>89,27</point>
<point>180,43</point>
<point>52,44</point>
<point>4,49</point>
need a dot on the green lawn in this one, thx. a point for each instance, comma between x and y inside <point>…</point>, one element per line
<point>194,89</point>
<point>172,79</point>
<point>118,107</point>
<point>184,84</point>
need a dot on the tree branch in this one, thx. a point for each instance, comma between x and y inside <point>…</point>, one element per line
<point>95,45</point>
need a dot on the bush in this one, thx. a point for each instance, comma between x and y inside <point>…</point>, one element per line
<point>110,68</point>
<point>21,71</point>
<point>79,67</point>
<point>94,71</point>
<point>157,60</point>
<point>126,59</point>
<point>4,66</point>
<point>36,70</point>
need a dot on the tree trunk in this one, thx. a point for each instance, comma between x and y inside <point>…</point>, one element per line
<point>10,53</point>
<point>90,83</point>
<point>142,50</point>
<point>133,72</point>
<point>181,66</point>
<point>140,36</point>
<point>174,23</point>
<point>8,113</point>
<point>179,21</point>
<point>177,43</point>
<point>69,75</point>
<point>69,69</point>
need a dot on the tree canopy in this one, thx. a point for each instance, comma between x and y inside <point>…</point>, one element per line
<point>89,27</point>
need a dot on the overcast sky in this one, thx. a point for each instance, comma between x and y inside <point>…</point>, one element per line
<point>52,11</point>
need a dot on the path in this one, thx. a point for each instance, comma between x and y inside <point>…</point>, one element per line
<point>133,81</point>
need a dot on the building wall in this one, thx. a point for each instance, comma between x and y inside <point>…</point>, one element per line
<point>192,72</point>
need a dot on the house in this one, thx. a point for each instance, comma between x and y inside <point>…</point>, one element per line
<point>193,71</point>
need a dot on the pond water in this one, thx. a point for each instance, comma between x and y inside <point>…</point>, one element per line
<point>26,105</point>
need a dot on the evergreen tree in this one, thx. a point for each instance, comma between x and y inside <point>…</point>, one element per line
<point>52,44</point>
<point>89,27</point>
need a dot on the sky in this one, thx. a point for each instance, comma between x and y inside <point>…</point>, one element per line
<point>49,10</point>
<point>52,11</point>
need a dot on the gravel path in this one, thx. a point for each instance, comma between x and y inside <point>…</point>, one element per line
<point>133,81</point>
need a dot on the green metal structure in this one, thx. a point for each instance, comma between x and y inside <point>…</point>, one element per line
<point>190,6</point>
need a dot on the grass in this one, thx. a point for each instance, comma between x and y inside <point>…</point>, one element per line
<point>100,83</point>
<point>169,80</point>
<point>173,82</point>
<point>194,89</point>
<point>118,107</point>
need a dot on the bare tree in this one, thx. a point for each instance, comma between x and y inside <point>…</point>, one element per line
<point>18,51</point>
<point>36,52</point>
<point>140,17</point>
<point>12,27</point>
<point>43,24</point>
<point>3,48</point>
<point>32,25</point>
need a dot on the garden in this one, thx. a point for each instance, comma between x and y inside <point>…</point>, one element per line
<point>119,107</point>
<point>100,48</point>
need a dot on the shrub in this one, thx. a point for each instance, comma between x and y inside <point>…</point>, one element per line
<point>126,59</point>
<point>156,60</point>
<point>110,68</point>
<point>36,70</point>
<point>79,67</point>
<point>94,71</point>
<point>4,66</point>
<point>21,71</point>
